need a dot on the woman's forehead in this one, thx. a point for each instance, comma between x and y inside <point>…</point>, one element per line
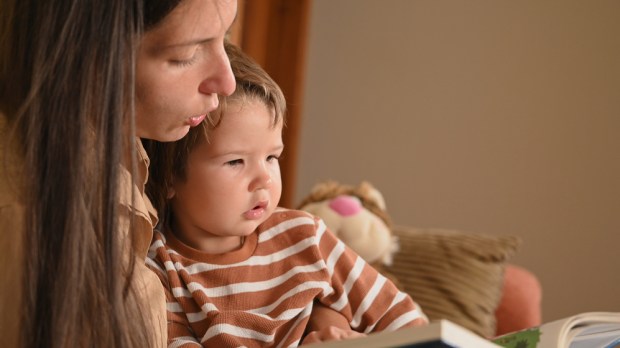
<point>193,22</point>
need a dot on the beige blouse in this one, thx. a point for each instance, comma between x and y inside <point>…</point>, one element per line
<point>148,285</point>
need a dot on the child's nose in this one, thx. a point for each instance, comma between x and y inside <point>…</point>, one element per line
<point>262,180</point>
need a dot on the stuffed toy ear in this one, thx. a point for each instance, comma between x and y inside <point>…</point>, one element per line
<point>369,191</point>
<point>323,191</point>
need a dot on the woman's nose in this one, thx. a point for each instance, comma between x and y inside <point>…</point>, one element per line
<point>220,78</point>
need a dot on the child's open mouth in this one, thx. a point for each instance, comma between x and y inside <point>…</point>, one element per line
<point>256,212</point>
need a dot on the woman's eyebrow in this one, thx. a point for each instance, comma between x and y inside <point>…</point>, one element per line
<point>189,43</point>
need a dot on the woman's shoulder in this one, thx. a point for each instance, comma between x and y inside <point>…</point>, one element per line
<point>11,231</point>
<point>11,181</point>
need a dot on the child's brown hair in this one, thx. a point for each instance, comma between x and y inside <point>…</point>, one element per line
<point>169,160</point>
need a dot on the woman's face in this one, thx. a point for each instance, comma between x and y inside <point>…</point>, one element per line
<point>182,67</point>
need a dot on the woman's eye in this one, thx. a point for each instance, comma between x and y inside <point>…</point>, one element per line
<point>234,162</point>
<point>185,56</point>
<point>183,62</point>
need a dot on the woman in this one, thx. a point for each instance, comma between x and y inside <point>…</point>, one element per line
<point>79,80</point>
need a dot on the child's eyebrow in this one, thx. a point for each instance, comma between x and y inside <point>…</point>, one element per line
<point>239,152</point>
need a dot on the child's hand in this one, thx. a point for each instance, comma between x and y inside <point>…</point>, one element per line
<point>330,333</point>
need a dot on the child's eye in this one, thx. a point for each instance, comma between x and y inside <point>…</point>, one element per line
<point>234,162</point>
<point>273,158</point>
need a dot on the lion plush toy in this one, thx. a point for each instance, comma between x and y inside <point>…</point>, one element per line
<point>358,217</point>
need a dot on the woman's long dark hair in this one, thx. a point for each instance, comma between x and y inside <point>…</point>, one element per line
<point>66,88</point>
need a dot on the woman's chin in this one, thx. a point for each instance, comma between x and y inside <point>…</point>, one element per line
<point>173,135</point>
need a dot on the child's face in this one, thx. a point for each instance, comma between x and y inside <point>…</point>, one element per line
<point>232,182</point>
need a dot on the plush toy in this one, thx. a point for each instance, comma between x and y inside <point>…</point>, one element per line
<point>358,217</point>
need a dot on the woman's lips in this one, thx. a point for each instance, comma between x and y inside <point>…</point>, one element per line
<point>195,120</point>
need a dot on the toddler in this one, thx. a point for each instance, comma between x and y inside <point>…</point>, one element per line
<point>238,270</point>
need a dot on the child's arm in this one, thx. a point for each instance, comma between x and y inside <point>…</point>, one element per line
<point>372,302</point>
<point>326,324</point>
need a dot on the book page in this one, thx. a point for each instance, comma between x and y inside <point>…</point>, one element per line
<point>600,335</point>
<point>590,328</point>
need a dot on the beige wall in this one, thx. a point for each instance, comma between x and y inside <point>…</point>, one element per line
<point>501,117</point>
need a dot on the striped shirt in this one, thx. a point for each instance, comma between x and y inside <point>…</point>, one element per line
<point>262,294</point>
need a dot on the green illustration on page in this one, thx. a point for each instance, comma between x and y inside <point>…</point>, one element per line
<point>523,339</point>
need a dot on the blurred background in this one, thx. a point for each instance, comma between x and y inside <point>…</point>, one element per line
<point>499,117</point>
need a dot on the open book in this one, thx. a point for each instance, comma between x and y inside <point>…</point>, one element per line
<point>442,333</point>
<point>585,330</point>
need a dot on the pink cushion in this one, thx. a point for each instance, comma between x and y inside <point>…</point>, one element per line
<point>520,305</point>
